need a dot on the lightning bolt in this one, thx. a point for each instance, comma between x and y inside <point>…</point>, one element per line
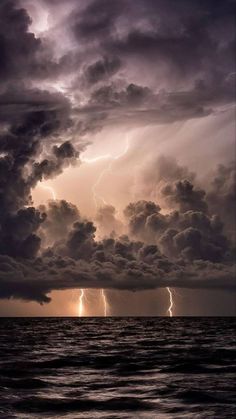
<point>82,293</point>
<point>95,159</point>
<point>81,303</point>
<point>170,293</point>
<point>105,304</point>
<point>171,302</point>
<point>50,189</point>
<point>97,197</point>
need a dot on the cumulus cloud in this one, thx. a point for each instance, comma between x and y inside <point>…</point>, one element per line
<point>107,221</point>
<point>185,196</point>
<point>186,247</point>
<point>193,229</point>
<point>222,196</point>
<point>59,218</point>
<point>157,174</point>
<point>122,265</point>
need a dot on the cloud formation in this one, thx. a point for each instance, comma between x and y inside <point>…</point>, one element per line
<point>185,248</point>
<point>113,66</point>
<point>187,43</point>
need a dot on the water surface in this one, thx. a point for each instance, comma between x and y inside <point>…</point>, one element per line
<point>117,368</point>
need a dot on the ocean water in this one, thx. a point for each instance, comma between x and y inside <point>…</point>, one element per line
<point>117,368</point>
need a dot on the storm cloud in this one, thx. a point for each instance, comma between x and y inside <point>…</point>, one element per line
<point>187,43</point>
<point>117,63</point>
<point>186,247</point>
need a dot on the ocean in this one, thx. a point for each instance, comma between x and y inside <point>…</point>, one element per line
<point>117,368</point>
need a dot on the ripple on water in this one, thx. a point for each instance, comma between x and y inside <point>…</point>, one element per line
<point>117,368</point>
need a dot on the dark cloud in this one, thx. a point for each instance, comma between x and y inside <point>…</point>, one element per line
<point>190,235</point>
<point>33,126</point>
<point>158,173</point>
<point>116,265</point>
<point>185,196</point>
<point>60,216</point>
<point>107,221</point>
<point>133,95</point>
<point>98,18</point>
<point>102,69</point>
<point>21,145</point>
<point>18,47</point>
<point>17,236</point>
<point>137,104</point>
<point>138,213</point>
<point>17,103</point>
<point>23,56</point>
<point>222,196</point>
<point>190,232</point>
<point>187,43</point>
<point>197,255</point>
<point>62,156</point>
<point>183,36</point>
<point>80,242</point>
<point>31,149</point>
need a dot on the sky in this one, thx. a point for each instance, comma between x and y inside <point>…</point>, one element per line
<point>117,157</point>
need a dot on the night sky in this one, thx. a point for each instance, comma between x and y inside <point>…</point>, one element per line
<point>117,148</point>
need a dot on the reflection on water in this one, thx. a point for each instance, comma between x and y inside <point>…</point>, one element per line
<point>117,368</point>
